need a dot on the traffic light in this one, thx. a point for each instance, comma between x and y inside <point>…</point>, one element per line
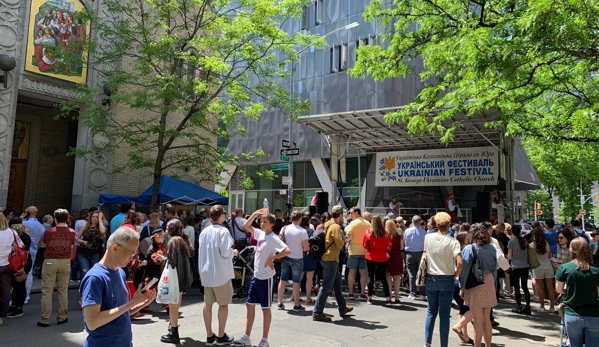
<point>539,212</point>
<point>539,207</point>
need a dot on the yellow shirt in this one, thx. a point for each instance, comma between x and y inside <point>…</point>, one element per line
<point>356,231</point>
<point>333,235</point>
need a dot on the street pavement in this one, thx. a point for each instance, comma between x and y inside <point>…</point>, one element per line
<point>368,325</point>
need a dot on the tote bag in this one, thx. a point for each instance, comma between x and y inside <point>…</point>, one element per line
<point>168,286</point>
<point>422,268</point>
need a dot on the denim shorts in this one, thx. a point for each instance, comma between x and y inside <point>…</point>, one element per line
<point>356,262</point>
<point>295,266</point>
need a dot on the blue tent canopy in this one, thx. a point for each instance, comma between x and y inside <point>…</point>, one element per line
<point>173,191</point>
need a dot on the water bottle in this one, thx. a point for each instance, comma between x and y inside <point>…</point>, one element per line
<point>265,204</point>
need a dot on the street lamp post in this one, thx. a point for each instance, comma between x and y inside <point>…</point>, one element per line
<point>291,144</point>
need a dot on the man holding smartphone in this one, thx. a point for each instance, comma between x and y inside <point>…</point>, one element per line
<point>104,296</point>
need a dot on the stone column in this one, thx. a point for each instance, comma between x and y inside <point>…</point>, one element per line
<point>12,22</point>
<point>92,174</point>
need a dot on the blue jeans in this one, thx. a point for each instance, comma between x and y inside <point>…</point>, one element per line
<point>86,261</point>
<point>581,329</point>
<point>330,280</point>
<point>293,267</point>
<point>439,292</point>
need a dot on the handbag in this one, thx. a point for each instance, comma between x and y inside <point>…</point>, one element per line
<point>475,276</point>
<point>168,286</point>
<point>421,275</point>
<point>20,277</point>
<point>17,259</point>
<point>533,261</point>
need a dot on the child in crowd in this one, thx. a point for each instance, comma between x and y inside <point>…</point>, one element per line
<point>269,247</point>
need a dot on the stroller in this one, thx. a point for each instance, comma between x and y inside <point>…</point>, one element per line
<point>243,266</point>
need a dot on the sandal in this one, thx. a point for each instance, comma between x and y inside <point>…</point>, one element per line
<point>460,335</point>
<point>310,301</point>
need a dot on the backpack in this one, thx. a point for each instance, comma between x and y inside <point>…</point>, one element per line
<point>317,245</point>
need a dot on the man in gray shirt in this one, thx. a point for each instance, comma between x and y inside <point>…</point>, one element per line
<point>414,247</point>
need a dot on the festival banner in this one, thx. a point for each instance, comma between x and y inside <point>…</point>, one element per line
<point>477,166</point>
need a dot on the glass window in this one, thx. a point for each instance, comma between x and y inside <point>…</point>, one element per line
<point>299,175</point>
<point>318,9</point>
<point>311,177</point>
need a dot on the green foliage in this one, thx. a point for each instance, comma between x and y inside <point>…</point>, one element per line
<point>536,61</point>
<point>538,196</point>
<point>562,168</point>
<point>185,72</point>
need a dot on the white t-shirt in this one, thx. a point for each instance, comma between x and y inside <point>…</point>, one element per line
<point>191,234</point>
<point>239,229</point>
<point>294,238</point>
<point>215,256</point>
<point>441,252</point>
<point>268,245</point>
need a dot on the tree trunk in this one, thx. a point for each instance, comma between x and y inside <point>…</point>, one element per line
<point>156,182</point>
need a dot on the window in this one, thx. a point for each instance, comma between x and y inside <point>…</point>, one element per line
<point>336,58</point>
<point>343,57</point>
<point>372,40</point>
<point>318,9</point>
<point>305,18</point>
<point>362,41</point>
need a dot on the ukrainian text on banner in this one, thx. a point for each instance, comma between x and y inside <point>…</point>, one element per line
<point>438,167</point>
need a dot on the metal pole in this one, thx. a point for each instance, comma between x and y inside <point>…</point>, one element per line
<point>581,203</point>
<point>290,165</point>
<point>361,205</point>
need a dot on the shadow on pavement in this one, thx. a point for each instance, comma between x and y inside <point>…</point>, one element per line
<point>349,320</point>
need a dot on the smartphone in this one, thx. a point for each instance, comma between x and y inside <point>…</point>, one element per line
<point>27,215</point>
<point>149,285</point>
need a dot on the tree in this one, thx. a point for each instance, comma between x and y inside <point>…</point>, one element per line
<point>563,167</point>
<point>541,197</point>
<point>186,72</point>
<point>535,61</point>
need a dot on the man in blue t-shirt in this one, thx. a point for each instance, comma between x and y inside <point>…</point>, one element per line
<point>551,235</point>
<point>103,290</point>
<point>127,208</point>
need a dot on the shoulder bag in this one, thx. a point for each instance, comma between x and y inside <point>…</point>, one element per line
<point>533,261</point>
<point>282,237</point>
<point>421,275</point>
<point>17,259</point>
<point>475,276</point>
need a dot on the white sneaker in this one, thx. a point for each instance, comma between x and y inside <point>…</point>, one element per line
<point>244,341</point>
<point>540,309</point>
<point>263,343</point>
<point>412,297</point>
<point>421,298</point>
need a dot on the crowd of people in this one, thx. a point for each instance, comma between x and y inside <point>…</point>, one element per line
<point>435,261</point>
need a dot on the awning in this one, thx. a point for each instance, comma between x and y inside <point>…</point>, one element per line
<point>368,131</point>
<point>173,191</point>
<point>525,176</point>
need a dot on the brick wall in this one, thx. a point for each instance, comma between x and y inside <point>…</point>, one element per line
<point>134,182</point>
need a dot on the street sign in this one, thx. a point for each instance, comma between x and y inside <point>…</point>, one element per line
<point>290,151</point>
<point>282,192</point>
<point>279,167</point>
<point>582,212</point>
<point>285,143</point>
<point>284,158</point>
<point>286,180</point>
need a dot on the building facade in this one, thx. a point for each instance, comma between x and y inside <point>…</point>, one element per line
<point>34,138</point>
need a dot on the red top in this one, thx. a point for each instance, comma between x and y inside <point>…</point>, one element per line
<point>376,247</point>
<point>58,242</point>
